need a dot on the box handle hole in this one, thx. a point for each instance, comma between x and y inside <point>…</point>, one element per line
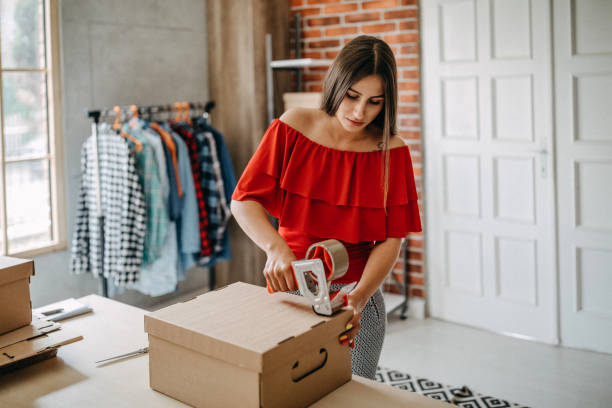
<point>323,353</point>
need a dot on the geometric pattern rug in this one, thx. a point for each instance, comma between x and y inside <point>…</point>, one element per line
<point>460,396</point>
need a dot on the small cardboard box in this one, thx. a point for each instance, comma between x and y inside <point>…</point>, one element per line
<point>302,100</point>
<point>15,305</point>
<point>238,346</point>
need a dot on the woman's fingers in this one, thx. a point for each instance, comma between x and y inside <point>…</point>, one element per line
<point>352,328</point>
<point>348,337</point>
<point>278,270</point>
<point>276,283</point>
<point>289,279</point>
<point>270,282</point>
<point>280,278</point>
<point>271,279</point>
<point>282,284</point>
<point>352,333</point>
<point>283,274</point>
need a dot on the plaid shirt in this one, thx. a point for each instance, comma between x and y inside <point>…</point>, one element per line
<point>193,146</point>
<point>123,208</point>
<point>214,190</point>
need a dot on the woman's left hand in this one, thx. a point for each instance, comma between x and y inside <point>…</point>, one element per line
<point>353,326</point>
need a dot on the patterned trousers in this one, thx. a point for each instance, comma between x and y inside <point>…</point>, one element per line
<point>369,340</point>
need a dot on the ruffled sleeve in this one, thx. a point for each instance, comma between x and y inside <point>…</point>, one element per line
<point>260,180</point>
<point>329,193</point>
<point>402,206</point>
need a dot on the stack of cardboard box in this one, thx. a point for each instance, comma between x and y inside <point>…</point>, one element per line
<point>24,340</point>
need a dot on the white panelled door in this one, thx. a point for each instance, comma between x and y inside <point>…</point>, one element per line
<point>583,116</point>
<point>489,179</point>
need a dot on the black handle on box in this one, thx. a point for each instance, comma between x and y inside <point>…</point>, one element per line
<point>318,367</point>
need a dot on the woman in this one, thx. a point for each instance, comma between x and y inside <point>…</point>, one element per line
<point>337,172</point>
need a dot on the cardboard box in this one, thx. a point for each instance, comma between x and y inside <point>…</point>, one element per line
<point>15,305</point>
<point>240,346</point>
<point>302,100</point>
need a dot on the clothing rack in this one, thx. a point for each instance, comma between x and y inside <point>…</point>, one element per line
<point>150,110</point>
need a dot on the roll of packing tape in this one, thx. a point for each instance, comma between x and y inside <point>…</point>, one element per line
<point>337,255</point>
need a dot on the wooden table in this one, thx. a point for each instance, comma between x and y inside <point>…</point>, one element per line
<point>72,379</point>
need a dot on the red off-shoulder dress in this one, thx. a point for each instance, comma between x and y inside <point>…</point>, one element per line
<point>318,193</point>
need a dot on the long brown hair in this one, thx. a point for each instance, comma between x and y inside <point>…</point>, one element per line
<point>361,57</point>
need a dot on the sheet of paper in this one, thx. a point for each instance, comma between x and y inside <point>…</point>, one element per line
<point>69,308</point>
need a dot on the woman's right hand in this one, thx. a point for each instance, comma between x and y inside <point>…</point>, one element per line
<point>278,270</point>
<point>253,219</point>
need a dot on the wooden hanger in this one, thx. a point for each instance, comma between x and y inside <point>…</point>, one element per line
<point>169,142</point>
<point>117,126</point>
<point>117,123</point>
<point>166,138</point>
<point>187,113</point>
<point>179,109</point>
<point>134,110</point>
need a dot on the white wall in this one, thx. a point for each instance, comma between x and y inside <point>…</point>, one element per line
<point>117,52</point>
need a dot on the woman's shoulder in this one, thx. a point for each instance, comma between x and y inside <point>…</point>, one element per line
<point>302,119</point>
<point>376,137</point>
<point>396,141</point>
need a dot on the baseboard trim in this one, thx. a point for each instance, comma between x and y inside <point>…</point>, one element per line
<point>416,308</point>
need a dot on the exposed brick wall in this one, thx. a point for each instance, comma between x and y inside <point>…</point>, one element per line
<point>329,24</point>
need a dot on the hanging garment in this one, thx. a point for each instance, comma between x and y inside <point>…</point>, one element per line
<point>122,205</point>
<point>148,172</point>
<point>169,143</point>
<point>212,188</point>
<point>189,244</point>
<point>214,192</point>
<point>160,277</point>
<point>229,184</point>
<point>193,148</point>
<point>227,168</point>
<point>175,199</point>
<point>160,159</point>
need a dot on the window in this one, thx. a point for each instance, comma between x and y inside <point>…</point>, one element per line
<point>31,207</point>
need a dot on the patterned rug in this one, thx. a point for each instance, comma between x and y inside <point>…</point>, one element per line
<point>461,396</point>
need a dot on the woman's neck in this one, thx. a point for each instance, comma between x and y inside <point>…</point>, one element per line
<point>339,136</point>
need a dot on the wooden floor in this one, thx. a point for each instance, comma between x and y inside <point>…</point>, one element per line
<point>521,371</point>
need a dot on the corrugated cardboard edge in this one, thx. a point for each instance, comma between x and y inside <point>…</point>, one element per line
<point>28,361</point>
<point>41,344</point>
<point>36,328</point>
